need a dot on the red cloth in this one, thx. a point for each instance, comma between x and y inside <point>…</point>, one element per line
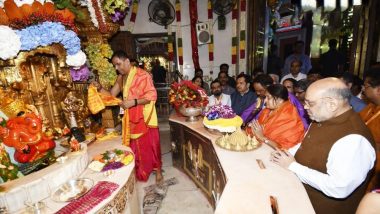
<point>147,153</point>
<point>96,195</point>
<point>283,125</point>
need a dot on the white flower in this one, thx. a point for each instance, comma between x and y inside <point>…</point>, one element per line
<point>10,43</point>
<point>76,60</point>
<point>2,3</point>
<point>19,3</point>
<point>91,10</point>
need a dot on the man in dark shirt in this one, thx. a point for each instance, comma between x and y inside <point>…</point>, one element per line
<point>332,61</point>
<point>242,98</point>
<point>224,68</point>
<point>274,62</point>
<point>159,73</point>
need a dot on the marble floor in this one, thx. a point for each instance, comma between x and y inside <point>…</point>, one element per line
<point>182,198</point>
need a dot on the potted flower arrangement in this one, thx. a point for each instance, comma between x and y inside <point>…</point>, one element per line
<point>187,99</point>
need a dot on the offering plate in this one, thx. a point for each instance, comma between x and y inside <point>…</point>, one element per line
<point>73,189</point>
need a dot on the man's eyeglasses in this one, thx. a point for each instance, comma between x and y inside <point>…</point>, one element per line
<point>313,103</point>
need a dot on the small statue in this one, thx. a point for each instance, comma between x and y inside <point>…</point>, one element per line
<point>24,133</point>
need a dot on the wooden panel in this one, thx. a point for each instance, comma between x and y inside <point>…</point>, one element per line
<point>124,41</point>
<point>197,158</point>
<point>176,137</point>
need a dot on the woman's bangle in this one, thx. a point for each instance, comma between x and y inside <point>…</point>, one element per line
<point>135,102</point>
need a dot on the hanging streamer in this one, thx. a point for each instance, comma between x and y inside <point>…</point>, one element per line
<point>242,35</point>
<point>132,20</point>
<point>234,39</point>
<point>193,11</point>
<point>179,35</point>
<point>211,44</point>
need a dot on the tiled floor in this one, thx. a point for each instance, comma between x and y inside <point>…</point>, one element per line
<point>182,198</point>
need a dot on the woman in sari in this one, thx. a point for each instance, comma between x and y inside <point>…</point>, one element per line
<point>279,124</point>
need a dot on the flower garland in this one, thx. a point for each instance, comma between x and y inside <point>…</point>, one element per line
<point>132,19</point>
<point>43,34</point>
<point>179,35</point>
<point>98,56</point>
<point>234,39</point>
<point>242,34</point>
<point>211,44</point>
<point>96,14</point>
<point>187,94</point>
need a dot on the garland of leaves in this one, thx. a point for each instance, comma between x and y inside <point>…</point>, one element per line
<point>98,56</point>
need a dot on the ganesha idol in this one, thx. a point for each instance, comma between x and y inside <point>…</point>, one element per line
<point>24,133</point>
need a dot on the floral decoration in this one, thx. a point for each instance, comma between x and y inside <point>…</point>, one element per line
<point>220,111</point>
<point>36,18</point>
<point>10,43</point>
<point>116,8</point>
<point>99,55</point>
<point>96,14</point>
<point>80,74</point>
<point>20,14</point>
<point>76,60</point>
<point>48,33</point>
<point>187,94</point>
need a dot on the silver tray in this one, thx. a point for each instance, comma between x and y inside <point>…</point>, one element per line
<point>73,189</point>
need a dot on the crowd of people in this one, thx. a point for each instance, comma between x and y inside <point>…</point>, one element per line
<point>324,129</point>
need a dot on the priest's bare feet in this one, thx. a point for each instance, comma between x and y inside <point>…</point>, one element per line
<point>159,177</point>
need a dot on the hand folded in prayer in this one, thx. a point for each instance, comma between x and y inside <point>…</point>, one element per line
<point>282,157</point>
<point>257,130</point>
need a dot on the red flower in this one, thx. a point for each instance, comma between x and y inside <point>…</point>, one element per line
<point>187,94</point>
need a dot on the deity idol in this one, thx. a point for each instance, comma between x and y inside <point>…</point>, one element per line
<point>24,133</point>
